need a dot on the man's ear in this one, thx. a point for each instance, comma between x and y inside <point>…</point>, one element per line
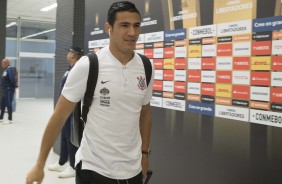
<point>108,28</point>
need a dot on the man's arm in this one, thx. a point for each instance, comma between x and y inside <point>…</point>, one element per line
<point>12,76</point>
<point>145,130</point>
<point>62,111</point>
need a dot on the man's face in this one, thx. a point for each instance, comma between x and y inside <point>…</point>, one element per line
<point>70,58</point>
<point>4,63</point>
<point>125,32</point>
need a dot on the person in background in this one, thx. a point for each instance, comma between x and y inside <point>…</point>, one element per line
<point>115,146</point>
<point>68,150</point>
<point>14,102</point>
<point>8,85</point>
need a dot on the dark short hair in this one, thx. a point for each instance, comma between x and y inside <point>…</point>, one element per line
<point>76,49</point>
<point>120,6</point>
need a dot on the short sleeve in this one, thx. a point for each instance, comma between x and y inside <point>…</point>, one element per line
<point>75,85</point>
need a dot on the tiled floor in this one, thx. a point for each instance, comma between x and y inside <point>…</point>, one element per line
<point>184,146</point>
<point>21,140</point>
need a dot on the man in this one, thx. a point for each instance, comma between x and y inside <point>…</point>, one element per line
<point>8,84</point>
<point>115,144</point>
<point>68,150</point>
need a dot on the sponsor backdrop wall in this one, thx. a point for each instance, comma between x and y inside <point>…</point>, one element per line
<point>227,65</point>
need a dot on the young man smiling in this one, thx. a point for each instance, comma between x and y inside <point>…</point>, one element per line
<point>115,144</point>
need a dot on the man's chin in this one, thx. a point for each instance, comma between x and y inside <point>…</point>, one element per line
<point>130,47</point>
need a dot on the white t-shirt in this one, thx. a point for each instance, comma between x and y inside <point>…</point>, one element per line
<point>111,143</point>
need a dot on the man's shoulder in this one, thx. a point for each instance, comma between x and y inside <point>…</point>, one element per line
<point>103,51</point>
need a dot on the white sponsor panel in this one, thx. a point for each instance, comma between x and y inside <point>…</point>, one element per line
<point>260,93</point>
<point>104,42</point>
<point>156,101</point>
<point>158,53</point>
<point>277,47</point>
<point>159,74</point>
<point>168,86</point>
<point>194,88</point>
<point>224,63</point>
<point>180,52</point>
<point>266,117</point>
<point>174,104</point>
<point>194,63</point>
<point>276,79</point>
<point>180,75</point>
<point>141,39</point>
<point>230,112</point>
<point>140,51</point>
<point>208,76</point>
<point>208,50</point>
<point>154,37</point>
<point>242,49</point>
<point>93,44</point>
<point>202,31</point>
<point>241,77</point>
<point>231,28</point>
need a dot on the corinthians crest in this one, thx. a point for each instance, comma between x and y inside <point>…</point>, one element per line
<point>141,83</point>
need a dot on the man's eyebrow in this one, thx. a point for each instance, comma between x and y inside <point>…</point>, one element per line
<point>129,22</point>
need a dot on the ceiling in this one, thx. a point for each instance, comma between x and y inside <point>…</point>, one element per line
<point>30,10</point>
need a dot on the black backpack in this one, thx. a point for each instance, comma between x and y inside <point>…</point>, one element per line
<point>80,112</point>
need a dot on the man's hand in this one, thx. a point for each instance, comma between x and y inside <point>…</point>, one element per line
<point>145,165</point>
<point>35,176</point>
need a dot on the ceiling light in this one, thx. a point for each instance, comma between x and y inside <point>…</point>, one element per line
<point>11,24</point>
<point>47,8</point>
<point>36,34</point>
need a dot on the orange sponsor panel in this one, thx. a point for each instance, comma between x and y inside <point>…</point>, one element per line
<point>276,63</point>
<point>241,63</point>
<point>241,92</point>
<point>179,87</point>
<point>158,44</point>
<point>223,101</point>
<point>167,94</point>
<point>193,97</point>
<point>245,37</point>
<point>209,63</point>
<point>224,49</point>
<point>276,94</point>
<point>169,52</point>
<point>194,76</point>
<point>224,77</point>
<point>158,85</point>
<point>169,75</point>
<point>208,89</point>
<point>149,53</point>
<point>158,63</point>
<point>180,63</point>
<point>261,48</point>
<point>259,105</point>
<point>260,78</point>
<point>139,46</point>
<point>178,43</point>
<point>277,35</point>
<point>209,40</point>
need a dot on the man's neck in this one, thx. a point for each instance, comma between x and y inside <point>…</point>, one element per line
<point>123,58</point>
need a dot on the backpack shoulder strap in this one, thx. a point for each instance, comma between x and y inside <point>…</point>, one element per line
<point>91,84</point>
<point>148,68</point>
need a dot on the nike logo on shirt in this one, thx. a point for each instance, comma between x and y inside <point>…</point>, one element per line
<point>103,82</point>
